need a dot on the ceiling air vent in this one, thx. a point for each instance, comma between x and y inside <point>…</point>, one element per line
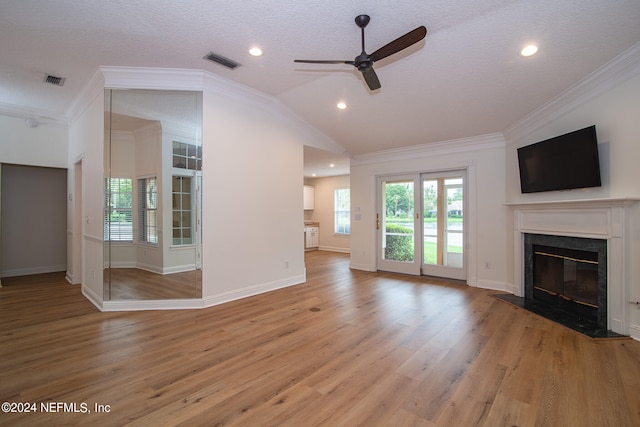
<point>58,81</point>
<point>219,59</point>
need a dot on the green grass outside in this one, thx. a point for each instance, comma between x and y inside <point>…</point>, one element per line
<point>430,252</point>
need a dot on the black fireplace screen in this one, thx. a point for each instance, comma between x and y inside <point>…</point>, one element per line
<point>569,273</point>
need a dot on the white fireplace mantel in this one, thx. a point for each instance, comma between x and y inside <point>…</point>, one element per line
<point>592,218</point>
<point>576,204</point>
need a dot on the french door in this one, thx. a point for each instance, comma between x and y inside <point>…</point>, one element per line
<point>420,224</point>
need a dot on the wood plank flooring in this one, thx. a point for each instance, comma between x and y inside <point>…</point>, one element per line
<point>347,348</point>
<point>133,283</point>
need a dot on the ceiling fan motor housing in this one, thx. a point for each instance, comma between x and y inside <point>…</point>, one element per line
<point>363,62</point>
<point>362,20</point>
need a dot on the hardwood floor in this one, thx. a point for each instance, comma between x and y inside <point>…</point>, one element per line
<point>347,348</point>
<point>133,283</point>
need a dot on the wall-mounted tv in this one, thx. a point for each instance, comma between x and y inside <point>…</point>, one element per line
<point>562,163</point>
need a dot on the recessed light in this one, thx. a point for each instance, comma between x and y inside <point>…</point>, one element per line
<point>255,51</point>
<point>529,50</point>
<point>332,165</point>
<point>341,105</point>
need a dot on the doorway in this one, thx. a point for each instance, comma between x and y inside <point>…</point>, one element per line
<point>420,224</point>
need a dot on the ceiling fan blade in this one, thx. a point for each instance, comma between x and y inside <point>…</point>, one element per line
<point>400,43</point>
<point>320,61</point>
<point>371,78</point>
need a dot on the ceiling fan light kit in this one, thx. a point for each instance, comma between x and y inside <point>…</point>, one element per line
<point>364,61</point>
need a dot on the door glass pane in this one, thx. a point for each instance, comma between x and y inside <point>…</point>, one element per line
<point>397,221</point>
<point>443,221</point>
<point>454,229</point>
<point>430,221</point>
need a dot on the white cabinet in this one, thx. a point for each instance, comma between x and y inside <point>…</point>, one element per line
<point>311,237</point>
<point>309,195</point>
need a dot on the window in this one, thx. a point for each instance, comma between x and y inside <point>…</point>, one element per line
<point>187,156</point>
<point>342,223</point>
<point>148,210</point>
<point>118,214</point>
<point>182,222</point>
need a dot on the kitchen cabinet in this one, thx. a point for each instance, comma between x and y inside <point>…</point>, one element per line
<point>309,196</point>
<point>311,237</point>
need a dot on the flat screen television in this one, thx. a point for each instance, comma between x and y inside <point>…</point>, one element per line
<point>562,163</point>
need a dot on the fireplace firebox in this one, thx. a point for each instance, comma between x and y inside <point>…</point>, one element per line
<point>567,276</point>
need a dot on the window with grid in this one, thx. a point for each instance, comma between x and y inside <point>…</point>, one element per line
<point>187,156</point>
<point>342,222</point>
<point>148,210</point>
<point>182,222</point>
<point>118,214</point>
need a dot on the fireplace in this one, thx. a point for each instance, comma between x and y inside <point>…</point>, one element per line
<point>567,276</point>
<point>600,225</point>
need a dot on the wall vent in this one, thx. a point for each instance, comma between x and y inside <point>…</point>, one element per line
<point>219,59</point>
<point>58,81</point>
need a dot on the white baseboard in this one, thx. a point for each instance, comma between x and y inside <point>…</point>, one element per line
<point>334,249</point>
<point>28,271</point>
<point>634,332</point>
<point>363,267</point>
<point>493,285</point>
<point>141,305</point>
<point>94,298</point>
<point>212,300</point>
<point>189,304</point>
<point>155,268</point>
<point>72,279</point>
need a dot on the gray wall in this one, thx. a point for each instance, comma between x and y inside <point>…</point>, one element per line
<point>34,220</point>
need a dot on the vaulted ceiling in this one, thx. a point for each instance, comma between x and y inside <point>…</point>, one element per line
<point>465,78</point>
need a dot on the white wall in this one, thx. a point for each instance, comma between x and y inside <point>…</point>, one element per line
<point>44,145</point>
<point>323,212</point>
<point>483,158</point>
<point>252,198</point>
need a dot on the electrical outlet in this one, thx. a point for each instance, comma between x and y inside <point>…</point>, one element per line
<point>286,264</point>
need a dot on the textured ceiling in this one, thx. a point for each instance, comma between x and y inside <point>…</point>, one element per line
<point>465,79</point>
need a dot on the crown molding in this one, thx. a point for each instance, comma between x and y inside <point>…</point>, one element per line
<point>93,88</point>
<point>152,78</point>
<point>454,146</point>
<point>622,68</point>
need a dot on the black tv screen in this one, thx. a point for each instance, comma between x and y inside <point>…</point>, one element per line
<point>561,163</point>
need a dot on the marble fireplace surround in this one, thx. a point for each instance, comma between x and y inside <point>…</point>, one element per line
<point>596,219</point>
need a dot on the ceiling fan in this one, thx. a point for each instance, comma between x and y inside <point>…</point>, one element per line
<point>364,61</point>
